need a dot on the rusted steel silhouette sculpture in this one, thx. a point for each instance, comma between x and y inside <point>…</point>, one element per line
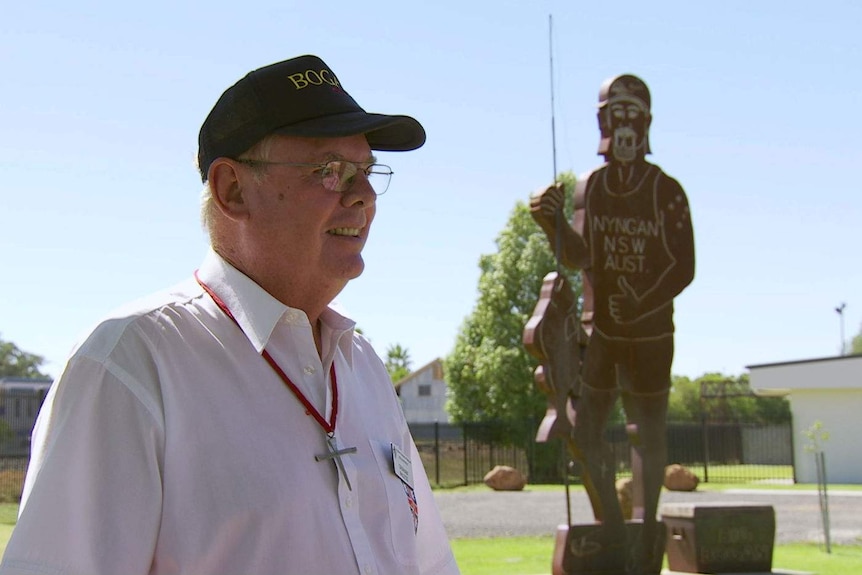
<point>631,235</point>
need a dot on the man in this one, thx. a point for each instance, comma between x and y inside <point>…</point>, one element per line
<point>632,235</point>
<point>237,423</point>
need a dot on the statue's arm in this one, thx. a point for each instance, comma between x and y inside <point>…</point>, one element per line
<point>566,240</point>
<point>678,237</point>
<point>683,247</point>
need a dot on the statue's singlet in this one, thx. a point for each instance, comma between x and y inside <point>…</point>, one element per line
<point>626,239</point>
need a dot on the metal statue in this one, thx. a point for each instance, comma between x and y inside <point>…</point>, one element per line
<point>631,235</point>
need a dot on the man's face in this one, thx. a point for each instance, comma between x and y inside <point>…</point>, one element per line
<point>628,124</point>
<point>299,227</point>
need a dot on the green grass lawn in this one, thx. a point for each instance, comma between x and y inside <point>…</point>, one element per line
<point>8,515</point>
<point>532,556</point>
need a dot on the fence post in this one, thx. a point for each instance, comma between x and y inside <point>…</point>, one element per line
<point>792,450</point>
<point>437,452</point>
<point>464,438</point>
<point>705,432</point>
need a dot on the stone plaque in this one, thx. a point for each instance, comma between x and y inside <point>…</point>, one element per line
<point>719,538</point>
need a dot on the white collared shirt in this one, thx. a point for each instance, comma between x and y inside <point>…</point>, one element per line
<point>169,445</point>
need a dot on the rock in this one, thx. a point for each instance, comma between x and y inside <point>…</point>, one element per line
<point>505,478</point>
<point>624,495</point>
<point>679,478</point>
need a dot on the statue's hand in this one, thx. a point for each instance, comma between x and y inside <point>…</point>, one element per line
<point>546,205</point>
<point>623,306</point>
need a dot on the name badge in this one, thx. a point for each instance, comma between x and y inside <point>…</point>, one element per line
<point>401,466</point>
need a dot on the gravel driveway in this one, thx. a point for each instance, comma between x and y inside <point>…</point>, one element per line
<point>534,512</point>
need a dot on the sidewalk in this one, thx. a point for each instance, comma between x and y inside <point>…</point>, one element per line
<point>531,513</point>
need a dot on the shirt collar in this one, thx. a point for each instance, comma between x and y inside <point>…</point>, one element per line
<point>257,312</point>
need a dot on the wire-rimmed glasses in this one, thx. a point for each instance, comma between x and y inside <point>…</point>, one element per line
<point>339,175</point>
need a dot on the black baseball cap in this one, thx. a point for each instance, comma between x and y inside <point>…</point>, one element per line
<point>296,97</point>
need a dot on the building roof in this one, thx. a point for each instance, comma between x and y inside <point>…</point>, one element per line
<point>433,364</point>
<point>812,360</point>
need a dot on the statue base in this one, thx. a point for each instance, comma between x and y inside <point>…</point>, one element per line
<point>588,549</point>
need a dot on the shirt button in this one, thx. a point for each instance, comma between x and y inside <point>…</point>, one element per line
<point>348,502</point>
<point>368,570</point>
<point>309,370</point>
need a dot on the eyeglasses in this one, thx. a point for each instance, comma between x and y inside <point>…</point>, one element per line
<point>339,175</point>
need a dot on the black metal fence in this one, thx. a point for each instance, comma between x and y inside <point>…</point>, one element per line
<point>18,411</point>
<point>720,452</point>
<point>462,454</point>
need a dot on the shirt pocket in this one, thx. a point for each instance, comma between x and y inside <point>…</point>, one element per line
<point>401,507</point>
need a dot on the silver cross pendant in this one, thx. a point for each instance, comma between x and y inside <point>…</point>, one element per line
<point>335,454</point>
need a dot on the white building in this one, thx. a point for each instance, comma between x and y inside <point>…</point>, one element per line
<point>829,391</point>
<point>423,394</point>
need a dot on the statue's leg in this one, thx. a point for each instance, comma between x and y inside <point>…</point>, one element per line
<point>645,400</point>
<point>602,547</point>
<point>599,547</point>
<point>593,409</point>
<point>597,395</point>
<point>649,413</point>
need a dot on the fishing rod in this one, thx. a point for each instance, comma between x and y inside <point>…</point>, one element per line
<point>558,225</point>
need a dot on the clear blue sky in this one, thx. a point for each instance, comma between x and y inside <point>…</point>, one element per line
<point>757,112</point>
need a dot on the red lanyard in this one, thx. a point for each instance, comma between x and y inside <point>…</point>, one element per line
<point>328,426</point>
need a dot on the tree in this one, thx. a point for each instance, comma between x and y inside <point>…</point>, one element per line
<point>856,344</point>
<point>397,362</point>
<point>489,372</point>
<point>684,399</point>
<point>17,363</point>
<point>730,398</point>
